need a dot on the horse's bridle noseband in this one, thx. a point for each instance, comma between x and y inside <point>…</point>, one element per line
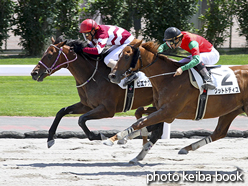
<point>53,67</point>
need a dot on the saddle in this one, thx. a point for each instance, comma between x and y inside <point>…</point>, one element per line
<point>224,80</point>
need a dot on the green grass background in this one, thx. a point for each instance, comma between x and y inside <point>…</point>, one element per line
<point>22,96</point>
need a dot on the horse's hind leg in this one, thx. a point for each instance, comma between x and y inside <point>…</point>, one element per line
<point>97,113</point>
<point>157,131</point>
<point>220,131</point>
<point>77,108</point>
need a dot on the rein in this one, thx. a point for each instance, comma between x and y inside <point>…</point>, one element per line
<point>78,86</point>
<point>135,60</point>
<point>175,55</point>
<point>53,67</point>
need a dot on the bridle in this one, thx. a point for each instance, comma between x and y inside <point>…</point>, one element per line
<point>53,67</point>
<point>134,62</point>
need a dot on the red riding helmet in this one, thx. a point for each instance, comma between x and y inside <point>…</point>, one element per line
<point>88,25</point>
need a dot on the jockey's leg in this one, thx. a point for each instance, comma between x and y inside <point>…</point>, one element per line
<point>208,83</point>
<point>111,64</point>
<point>111,59</point>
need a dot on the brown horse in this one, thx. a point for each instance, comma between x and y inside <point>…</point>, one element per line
<point>99,98</point>
<point>175,97</point>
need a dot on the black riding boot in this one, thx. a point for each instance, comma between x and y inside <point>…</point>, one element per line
<point>130,78</point>
<point>208,83</point>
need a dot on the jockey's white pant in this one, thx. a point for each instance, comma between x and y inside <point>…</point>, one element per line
<point>116,50</point>
<point>208,58</point>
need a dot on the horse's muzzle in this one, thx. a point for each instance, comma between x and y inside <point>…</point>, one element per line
<point>113,78</point>
<point>38,76</point>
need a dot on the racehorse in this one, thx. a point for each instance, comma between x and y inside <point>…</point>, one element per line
<point>99,98</point>
<point>175,97</point>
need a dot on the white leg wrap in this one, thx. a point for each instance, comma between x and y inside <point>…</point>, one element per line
<point>144,131</point>
<point>201,143</point>
<point>144,151</point>
<point>133,134</point>
<point>148,146</point>
<point>124,133</point>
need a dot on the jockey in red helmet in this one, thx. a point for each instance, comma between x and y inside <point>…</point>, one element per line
<point>87,26</point>
<point>202,52</point>
<point>106,35</point>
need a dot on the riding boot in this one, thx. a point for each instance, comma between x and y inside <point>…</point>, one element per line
<point>112,63</point>
<point>130,78</point>
<point>208,83</point>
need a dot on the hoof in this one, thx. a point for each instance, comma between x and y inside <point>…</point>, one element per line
<point>133,161</point>
<point>108,142</point>
<point>50,143</point>
<point>103,137</point>
<point>183,151</point>
<point>122,141</point>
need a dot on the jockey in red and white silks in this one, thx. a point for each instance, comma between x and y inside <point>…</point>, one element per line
<point>105,35</point>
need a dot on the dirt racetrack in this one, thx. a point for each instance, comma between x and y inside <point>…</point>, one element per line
<point>80,162</point>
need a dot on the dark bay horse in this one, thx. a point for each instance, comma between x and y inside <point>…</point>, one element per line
<point>175,97</point>
<point>99,98</point>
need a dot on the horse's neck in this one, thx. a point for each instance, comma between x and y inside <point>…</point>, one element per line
<point>83,69</point>
<point>160,66</point>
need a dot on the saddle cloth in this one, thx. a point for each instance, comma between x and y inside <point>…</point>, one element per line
<point>223,78</point>
<point>141,82</point>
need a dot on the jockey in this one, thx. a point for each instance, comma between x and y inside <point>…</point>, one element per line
<point>202,52</point>
<point>106,35</point>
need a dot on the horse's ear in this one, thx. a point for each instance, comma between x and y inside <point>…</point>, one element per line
<point>64,42</point>
<point>138,44</point>
<point>53,41</point>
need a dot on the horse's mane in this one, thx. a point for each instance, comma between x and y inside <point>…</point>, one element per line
<point>153,47</point>
<point>77,45</point>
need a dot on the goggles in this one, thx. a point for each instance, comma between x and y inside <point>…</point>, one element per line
<point>172,42</point>
<point>86,35</point>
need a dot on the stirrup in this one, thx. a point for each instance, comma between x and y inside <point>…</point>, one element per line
<point>208,85</point>
<point>130,79</point>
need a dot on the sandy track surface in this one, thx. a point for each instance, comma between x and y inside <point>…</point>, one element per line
<point>72,162</point>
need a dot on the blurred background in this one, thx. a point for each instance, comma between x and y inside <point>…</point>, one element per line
<point>27,26</point>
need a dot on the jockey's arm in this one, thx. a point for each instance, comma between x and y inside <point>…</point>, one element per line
<point>194,47</point>
<point>90,50</point>
<point>163,47</point>
<point>97,49</point>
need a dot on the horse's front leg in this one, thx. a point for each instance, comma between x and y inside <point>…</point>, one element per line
<point>153,118</point>
<point>77,108</point>
<point>96,113</point>
<point>144,131</point>
<point>157,131</point>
